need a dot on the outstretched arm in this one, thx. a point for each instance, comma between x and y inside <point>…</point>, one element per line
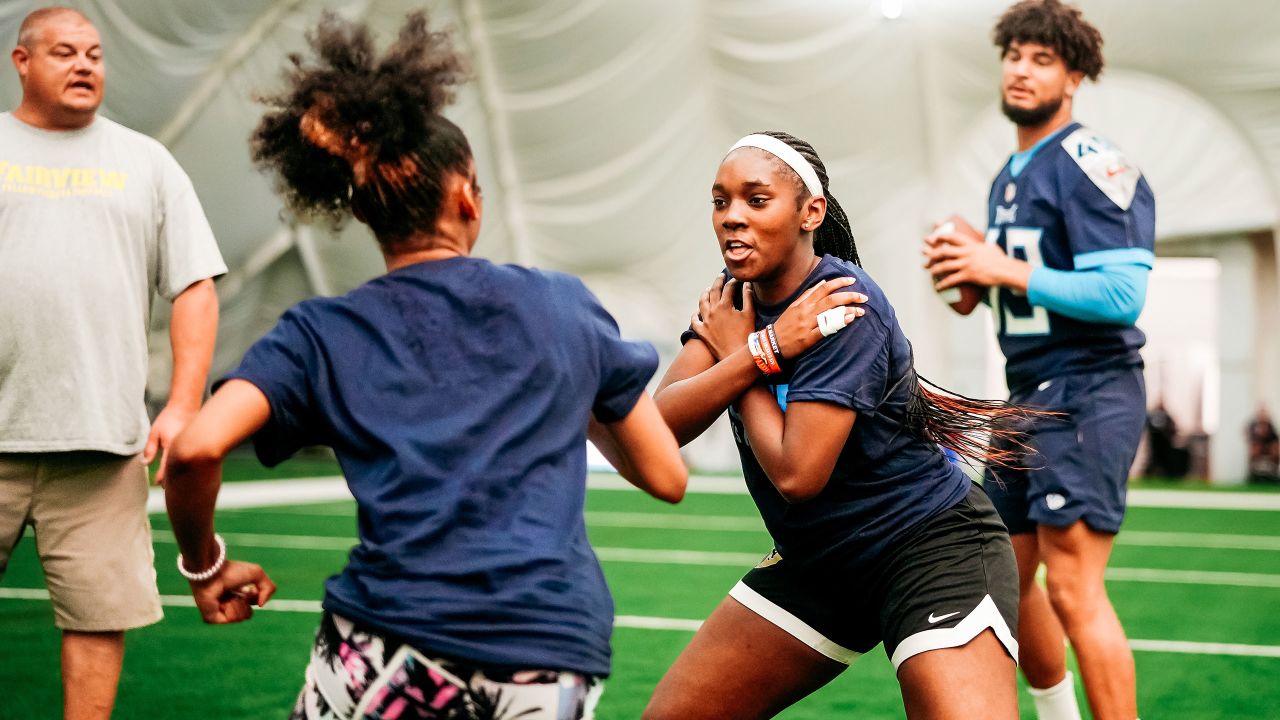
<point>234,413</point>
<point>643,450</point>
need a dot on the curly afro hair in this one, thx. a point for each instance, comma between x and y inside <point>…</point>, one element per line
<point>1053,24</point>
<point>359,134</point>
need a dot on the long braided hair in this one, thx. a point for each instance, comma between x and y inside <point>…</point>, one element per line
<point>986,431</point>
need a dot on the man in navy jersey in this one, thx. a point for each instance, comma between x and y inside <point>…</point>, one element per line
<point>1071,228</point>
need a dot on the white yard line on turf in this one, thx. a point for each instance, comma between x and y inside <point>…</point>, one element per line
<point>1193,577</point>
<point>1138,497</point>
<point>1204,500</point>
<point>728,523</point>
<point>259,540</point>
<point>710,558</point>
<point>1198,648</point>
<point>680,557</point>
<point>641,622</point>
<point>277,605</point>
<point>268,493</point>
<point>745,524</point>
<point>654,521</point>
<point>751,524</point>
<point>1198,540</point>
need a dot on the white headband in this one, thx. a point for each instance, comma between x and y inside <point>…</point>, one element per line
<point>786,154</point>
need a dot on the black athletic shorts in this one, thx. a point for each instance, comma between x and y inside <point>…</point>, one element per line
<point>951,579</point>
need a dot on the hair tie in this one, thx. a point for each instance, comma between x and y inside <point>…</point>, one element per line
<point>320,134</point>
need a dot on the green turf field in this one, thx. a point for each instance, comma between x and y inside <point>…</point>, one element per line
<point>1198,591</point>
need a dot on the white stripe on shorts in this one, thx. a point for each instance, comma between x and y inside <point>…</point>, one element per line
<point>794,626</point>
<point>986,615</point>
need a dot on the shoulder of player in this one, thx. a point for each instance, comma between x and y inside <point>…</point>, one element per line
<point>877,305</point>
<point>554,283</point>
<point>554,277</point>
<point>830,267</point>
<point>869,333</point>
<point>314,312</point>
<point>1086,148</point>
<point>1092,157</point>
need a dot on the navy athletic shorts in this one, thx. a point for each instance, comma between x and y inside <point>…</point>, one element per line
<point>1080,467</point>
<point>940,588</point>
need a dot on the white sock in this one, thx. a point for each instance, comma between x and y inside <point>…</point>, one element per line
<point>1057,702</point>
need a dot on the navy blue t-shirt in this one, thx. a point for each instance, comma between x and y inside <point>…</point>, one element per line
<point>886,481</point>
<point>456,395</point>
<point>1077,204</point>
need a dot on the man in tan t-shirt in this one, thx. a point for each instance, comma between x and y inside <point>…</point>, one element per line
<point>95,219</point>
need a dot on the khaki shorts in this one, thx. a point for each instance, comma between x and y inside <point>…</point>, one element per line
<point>89,514</point>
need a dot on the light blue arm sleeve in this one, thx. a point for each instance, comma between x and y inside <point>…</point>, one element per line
<point>1102,294</point>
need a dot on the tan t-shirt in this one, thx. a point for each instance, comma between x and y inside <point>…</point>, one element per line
<point>93,223</point>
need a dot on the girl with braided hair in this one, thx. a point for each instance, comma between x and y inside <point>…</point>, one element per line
<point>878,537</point>
<point>458,396</point>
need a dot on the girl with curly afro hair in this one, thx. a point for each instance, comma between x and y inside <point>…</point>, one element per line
<point>458,396</point>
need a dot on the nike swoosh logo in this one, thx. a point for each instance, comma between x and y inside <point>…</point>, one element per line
<point>940,618</point>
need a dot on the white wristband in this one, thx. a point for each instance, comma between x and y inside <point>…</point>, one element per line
<point>213,569</point>
<point>831,321</point>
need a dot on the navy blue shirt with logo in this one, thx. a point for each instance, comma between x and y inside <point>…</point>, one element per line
<point>886,481</point>
<point>455,395</point>
<point>1076,204</point>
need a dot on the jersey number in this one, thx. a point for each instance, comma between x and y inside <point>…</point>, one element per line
<point>1020,316</point>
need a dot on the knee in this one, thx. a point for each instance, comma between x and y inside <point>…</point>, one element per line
<point>1043,665</point>
<point>1074,601</point>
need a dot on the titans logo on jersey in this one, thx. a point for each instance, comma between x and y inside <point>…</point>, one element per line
<point>1075,204</point>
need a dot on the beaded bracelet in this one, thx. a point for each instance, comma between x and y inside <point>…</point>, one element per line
<point>213,569</point>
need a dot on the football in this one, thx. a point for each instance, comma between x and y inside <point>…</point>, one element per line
<point>963,298</point>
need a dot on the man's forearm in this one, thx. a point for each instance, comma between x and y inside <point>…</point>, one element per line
<point>1105,294</point>
<point>1014,274</point>
<point>193,330</point>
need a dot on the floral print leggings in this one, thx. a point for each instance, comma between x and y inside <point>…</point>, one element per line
<point>356,674</point>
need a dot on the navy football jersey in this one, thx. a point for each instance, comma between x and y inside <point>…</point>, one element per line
<point>1076,204</point>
